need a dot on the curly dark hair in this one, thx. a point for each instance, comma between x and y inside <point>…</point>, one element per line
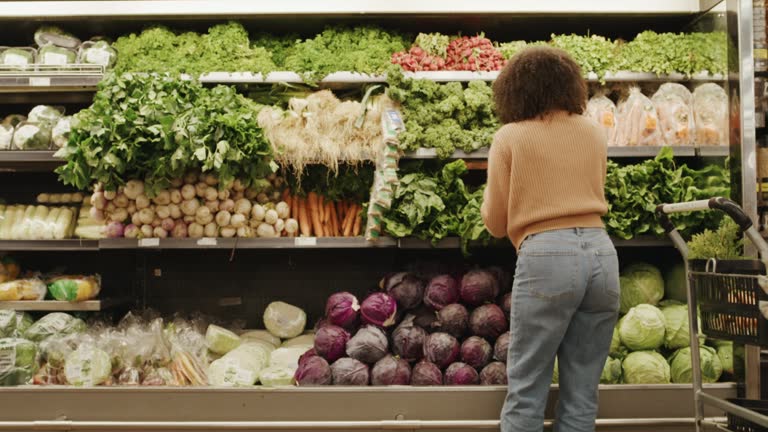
<point>537,81</point>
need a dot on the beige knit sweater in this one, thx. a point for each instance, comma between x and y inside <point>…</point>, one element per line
<point>545,174</point>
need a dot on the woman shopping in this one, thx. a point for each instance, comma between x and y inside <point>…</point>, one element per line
<point>546,175</point>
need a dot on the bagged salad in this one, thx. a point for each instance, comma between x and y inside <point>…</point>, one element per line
<point>674,105</point>
<point>710,110</point>
<point>638,122</point>
<point>603,111</point>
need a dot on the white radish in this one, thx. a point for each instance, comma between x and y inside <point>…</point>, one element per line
<point>134,188</point>
<point>243,206</point>
<point>176,197</point>
<point>223,218</point>
<point>146,230</point>
<point>283,210</point>
<point>228,232</point>
<point>265,230</point>
<point>258,212</point>
<point>213,206</point>
<point>159,232</point>
<point>195,230</point>
<point>56,199</point>
<point>237,195</point>
<point>146,216</point>
<point>162,198</point>
<point>142,202</point>
<point>211,230</point>
<point>175,211</point>
<point>251,193</point>
<point>271,217</point>
<point>276,196</point>
<point>110,195</point>
<point>189,207</point>
<point>279,226</point>
<point>291,226</point>
<point>188,192</point>
<point>163,211</point>
<point>238,220</point>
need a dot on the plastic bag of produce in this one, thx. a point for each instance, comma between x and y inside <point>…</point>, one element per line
<point>603,111</point>
<point>283,320</point>
<point>239,367</point>
<point>55,56</point>
<point>263,335</point>
<point>287,357</point>
<point>6,137</point>
<point>674,105</point>
<point>50,35</point>
<point>60,133</point>
<point>74,288</point>
<point>13,120</point>
<point>56,323</point>
<point>638,122</point>
<point>55,349</point>
<point>13,323</point>
<point>22,289</point>
<point>221,340</point>
<point>305,340</point>
<point>710,110</point>
<point>87,366</point>
<point>18,361</point>
<point>277,376</point>
<point>32,136</point>
<point>98,53</point>
<point>9,269</point>
<point>45,114</point>
<point>18,58</point>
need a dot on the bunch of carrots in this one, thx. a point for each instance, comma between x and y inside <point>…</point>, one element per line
<point>321,217</point>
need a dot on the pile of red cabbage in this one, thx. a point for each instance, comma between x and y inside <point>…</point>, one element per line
<point>421,330</point>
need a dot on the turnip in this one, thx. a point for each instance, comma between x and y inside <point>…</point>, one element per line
<point>291,226</point>
<point>279,226</point>
<point>110,207</point>
<point>136,219</point>
<point>258,212</point>
<point>203,215</point>
<point>114,230</point>
<point>119,215</point>
<point>134,188</point>
<point>262,198</point>
<point>188,192</point>
<point>96,214</point>
<point>191,178</point>
<point>237,220</point>
<point>43,198</point>
<point>179,230</point>
<point>146,215</point>
<point>142,202</point>
<point>188,219</point>
<point>176,197</point>
<point>168,224</point>
<point>174,211</point>
<point>243,206</point>
<point>156,222</point>
<point>162,198</point>
<point>211,194</point>
<point>77,197</point>
<point>177,182</point>
<point>146,231</point>
<point>200,189</point>
<point>270,217</point>
<point>283,210</point>
<point>223,194</point>
<point>211,230</point>
<point>213,206</point>
<point>238,186</point>
<point>195,230</point>
<point>189,207</point>
<point>210,179</point>
<point>227,205</point>
<point>159,232</point>
<point>131,231</point>
<point>131,208</point>
<point>98,200</point>
<point>228,232</point>
<point>110,195</point>
<point>223,217</point>
<point>163,211</point>
<point>245,232</point>
<point>265,230</point>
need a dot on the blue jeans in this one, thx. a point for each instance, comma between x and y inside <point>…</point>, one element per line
<point>565,302</point>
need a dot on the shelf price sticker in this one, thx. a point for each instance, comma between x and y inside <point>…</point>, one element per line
<point>39,81</point>
<point>207,241</point>
<point>305,241</point>
<point>149,242</point>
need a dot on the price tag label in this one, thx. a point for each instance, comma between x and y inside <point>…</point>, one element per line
<point>40,82</point>
<point>305,241</point>
<point>149,242</point>
<point>425,152</point>
<point>207,241</point>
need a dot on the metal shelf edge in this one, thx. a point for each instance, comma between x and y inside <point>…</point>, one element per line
<point>49,245</point>
<point>64,306</point>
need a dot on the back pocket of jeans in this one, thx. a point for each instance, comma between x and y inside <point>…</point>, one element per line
<point>549,274</point>
<point>609,267</point>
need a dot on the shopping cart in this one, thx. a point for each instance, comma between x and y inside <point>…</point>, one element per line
<point>730,295</point>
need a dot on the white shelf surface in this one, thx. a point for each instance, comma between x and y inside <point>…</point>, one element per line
<point>227,8</point>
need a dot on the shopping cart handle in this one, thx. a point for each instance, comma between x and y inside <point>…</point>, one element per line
<point>719,203</point>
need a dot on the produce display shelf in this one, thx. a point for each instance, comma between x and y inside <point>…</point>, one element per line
<point>714,151</point>
<point>214,8</point>
<point>61,306</point>
<point>46,78</point>
<point>613,152</point>
<point>49,245</point>
<point>28,160</point>
<point>455,243</point>
<point>247,243</point>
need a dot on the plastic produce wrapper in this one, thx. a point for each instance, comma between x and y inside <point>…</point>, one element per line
<point>87,366</point>
<point>674,105</point>
<point>56,323</point>
<point>9,269</point>
<point>189,353</point>
<point>603,112</point>
<point>277,376</point>
<point>97,53</point>
<point>6,136</point>
<point>75,288</point>
<point>710,109</point>
<point>13,323</point>
<point>17,58</point>
<point>22,289</point>
<point>18,361</point>
<point>638,122</point>
<point>49,35</point>
<point>284,320</point>
<point>239,367</point>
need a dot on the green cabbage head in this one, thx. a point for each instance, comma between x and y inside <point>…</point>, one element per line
<point>611,371</point>
<point>675,283</point>
<point>677,329</point>
<point>617,349</point>
<point>642,328</point>
<point>645,367</point>
<point>640,283</point>
<point>682,372</point>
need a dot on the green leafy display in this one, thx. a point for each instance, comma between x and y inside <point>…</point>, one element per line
<point>594,54</point>
<point>665,53</point>
<point>724,243</point>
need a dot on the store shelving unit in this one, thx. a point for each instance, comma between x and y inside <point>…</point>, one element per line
<point>61,306</point>
<point>160,260</point>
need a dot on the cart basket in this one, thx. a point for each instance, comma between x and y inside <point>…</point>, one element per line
<point>740,424</point>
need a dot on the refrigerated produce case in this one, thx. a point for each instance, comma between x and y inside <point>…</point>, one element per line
<point>239,277</point>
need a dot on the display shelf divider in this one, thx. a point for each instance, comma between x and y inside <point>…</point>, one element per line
<point>49,245</point>
<point>62,306</point>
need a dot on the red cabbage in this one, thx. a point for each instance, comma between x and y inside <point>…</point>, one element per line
<point>501,347</point>
<point>350,372</point>
<point>331,342</point>
<point>453,319</point>
<point>341,309</point>
<point>461,374</point>
<point>441,349</point>
<point>505,303</point>
<point>425,318</point>
<point>478,287</point>
<point>313,371</point>
<point>406,288</point>
<point>391,371</point>
<point>379,309</point>
<point>322,322</point>
<point>441,291</point>
<point>425,373</point>
<point>408,340</point>
<point>488,321</point>
<point>307,355</point>
<point>476,352</point>
<point>494,374</point>
<point>368,345</point>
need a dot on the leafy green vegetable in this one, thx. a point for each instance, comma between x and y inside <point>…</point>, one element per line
<point>509,49</point>
<point>593,53</point>
<point>665,53</point>
<point>435,44</point>
<point>349,182</point>
<point>724,243</point>
<point>225,48</point>
<point>360,49</point>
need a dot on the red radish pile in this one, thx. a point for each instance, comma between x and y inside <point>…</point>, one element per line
<point>464,53</point>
